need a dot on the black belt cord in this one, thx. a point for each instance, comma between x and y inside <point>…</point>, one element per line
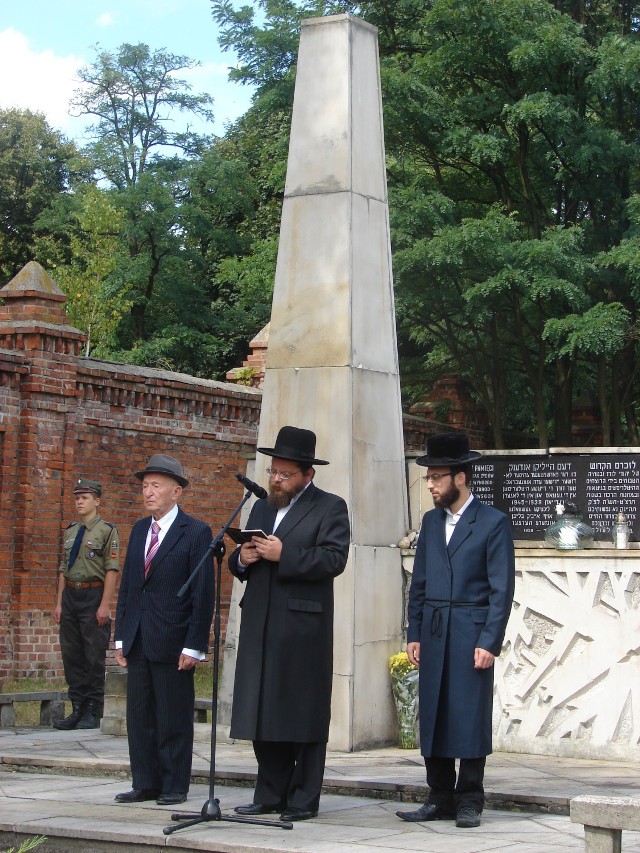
<point>436,616</point>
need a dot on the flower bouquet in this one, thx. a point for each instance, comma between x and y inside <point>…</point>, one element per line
<point>404,686</point>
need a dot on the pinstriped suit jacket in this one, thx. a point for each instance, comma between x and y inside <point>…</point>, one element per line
<point>151,607</point>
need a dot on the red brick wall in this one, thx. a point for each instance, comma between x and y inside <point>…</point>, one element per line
<point>62,416</point>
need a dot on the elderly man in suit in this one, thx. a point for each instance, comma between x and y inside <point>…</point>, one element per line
<point>284,669</point>
<point>459,604</point>
<point>160,637</point>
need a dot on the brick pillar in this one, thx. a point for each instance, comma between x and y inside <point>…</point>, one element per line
<point>33,326</point>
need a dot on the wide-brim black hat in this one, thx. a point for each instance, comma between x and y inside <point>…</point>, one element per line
<point>162,464</point>
<point>448,450</point>
<point>298,445</point>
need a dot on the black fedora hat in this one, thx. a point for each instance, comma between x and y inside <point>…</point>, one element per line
<point>298,445</point>
<point>162,464</point>
<point>448,450</point>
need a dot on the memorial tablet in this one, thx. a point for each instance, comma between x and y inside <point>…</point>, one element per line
<point>528,488</point>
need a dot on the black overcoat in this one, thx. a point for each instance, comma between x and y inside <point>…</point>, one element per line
<point>460,600</point>
<point>284,666</point>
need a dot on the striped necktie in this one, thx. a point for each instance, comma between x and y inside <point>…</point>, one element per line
<point>153,547</point>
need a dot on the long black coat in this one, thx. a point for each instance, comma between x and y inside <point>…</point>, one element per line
<point>460,599</point>
<point>284,668</point>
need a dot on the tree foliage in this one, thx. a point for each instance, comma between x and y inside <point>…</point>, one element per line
<point>132,94</point>
<point>97,297</point>
<point>512,145</point>
<point>36,165</point>
<point>512,139</point>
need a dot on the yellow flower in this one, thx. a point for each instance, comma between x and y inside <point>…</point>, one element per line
<point>399,664</point>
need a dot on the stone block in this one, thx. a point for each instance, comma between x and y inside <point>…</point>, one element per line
<point>114,718</point>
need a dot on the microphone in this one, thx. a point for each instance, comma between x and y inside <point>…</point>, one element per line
<point>254,488</point>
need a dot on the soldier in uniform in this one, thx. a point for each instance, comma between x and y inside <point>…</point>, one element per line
<point>86,583</point>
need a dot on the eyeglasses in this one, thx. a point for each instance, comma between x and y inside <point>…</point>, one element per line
<point>281,475</point>
<point>435,478</point>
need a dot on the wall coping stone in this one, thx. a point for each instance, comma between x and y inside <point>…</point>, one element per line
<point>129,371</point>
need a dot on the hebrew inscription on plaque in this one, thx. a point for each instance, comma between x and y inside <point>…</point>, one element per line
<point>528,488</point>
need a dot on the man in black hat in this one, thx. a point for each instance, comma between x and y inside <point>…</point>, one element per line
<point>284,668</point>
<point>86,583</point>
<point>160,637</point>
<point>459,605</point>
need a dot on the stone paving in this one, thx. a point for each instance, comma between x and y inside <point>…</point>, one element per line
<point>62,785</point>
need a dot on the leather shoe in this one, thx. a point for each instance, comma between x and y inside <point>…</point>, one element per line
<point>297,814</point>
<point>467,818</point>
<point>170,799</point>
<point>256,809</point>
<point>136,796</point>
<point>429,811</point>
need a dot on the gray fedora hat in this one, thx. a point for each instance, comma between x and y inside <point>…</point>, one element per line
<point>298,445</point>
<point>448,450</point>
<point>162,464</point>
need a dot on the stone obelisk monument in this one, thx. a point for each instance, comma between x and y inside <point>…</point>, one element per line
<point>332,362</point>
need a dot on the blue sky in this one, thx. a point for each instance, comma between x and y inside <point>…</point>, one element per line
<point>44,42</point>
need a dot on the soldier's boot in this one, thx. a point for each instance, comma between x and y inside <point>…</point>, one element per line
<point>90,717</point>
<point>72,720</point>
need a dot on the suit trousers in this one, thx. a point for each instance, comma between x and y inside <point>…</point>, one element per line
<point>160,700</point>
<point>289,774</point>
<point>84,645</point>
<point>451,794</point>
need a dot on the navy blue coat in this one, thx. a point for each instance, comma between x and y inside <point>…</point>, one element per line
<point>284,667</point>
<point>460,600</point>
<point>150,605</point>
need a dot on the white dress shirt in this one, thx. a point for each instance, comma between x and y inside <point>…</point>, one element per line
<point>453,518</point>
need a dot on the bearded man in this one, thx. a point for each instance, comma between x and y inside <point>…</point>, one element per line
<point>284,668</point>
<point>459,604</point>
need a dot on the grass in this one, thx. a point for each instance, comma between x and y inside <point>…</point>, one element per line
<point>28,713</point>
<point>28,843</point>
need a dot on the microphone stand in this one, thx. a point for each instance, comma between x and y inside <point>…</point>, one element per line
<point>210,811</point>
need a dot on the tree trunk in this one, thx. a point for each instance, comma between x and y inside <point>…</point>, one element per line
<point>563,401</point>
<point>604,401</point>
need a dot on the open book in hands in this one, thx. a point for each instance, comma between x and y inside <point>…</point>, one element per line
<point>241,536</point>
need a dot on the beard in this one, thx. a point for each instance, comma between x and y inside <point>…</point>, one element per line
<point>278,498</point>
<point>446,499</point>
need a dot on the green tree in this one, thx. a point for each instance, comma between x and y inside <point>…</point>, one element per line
<point>132,94</point>
<point>97,298</point>
<point>36,165</point>
<point>512,130</point>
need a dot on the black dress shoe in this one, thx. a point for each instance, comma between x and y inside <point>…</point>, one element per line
<point>136,796</point>
<point>253,809</point>
<point>297,814</point>
<point>467,818</point>
<point>429,811</point>
<point>170,799</point>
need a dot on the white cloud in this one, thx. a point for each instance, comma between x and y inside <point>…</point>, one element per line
<point>106,19</point>
<point>42,82</point>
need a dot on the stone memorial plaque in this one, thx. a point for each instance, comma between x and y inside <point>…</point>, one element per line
<point>528,488</point>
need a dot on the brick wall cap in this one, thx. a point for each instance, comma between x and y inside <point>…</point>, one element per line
<point>167,376</point>
<point>39,326</point>
<point>262,338</point>
<point>33,280</point>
